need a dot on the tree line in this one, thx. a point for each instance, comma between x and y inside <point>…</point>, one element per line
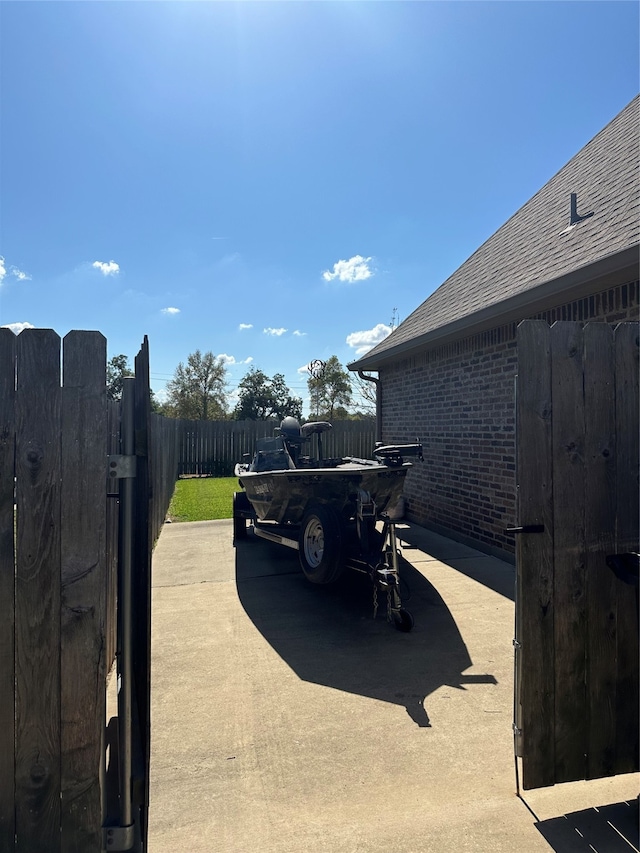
<point>198,390</point>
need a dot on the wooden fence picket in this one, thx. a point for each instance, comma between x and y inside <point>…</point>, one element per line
<point>628,511</point>
<point>82,615</point>
<point>7,588</point>
<point>534,600</point>
<point>37,654</point>
<point>568,523</point>
<point>599,525</point>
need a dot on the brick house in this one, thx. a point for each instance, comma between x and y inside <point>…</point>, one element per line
<point>446,374</point>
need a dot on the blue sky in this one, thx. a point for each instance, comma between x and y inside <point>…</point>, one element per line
<point>271,181</point>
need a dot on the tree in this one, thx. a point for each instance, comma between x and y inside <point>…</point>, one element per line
<point>197,390</point>
<point>117,370</point>
<point>329,389</point>
<point>261,398</point>
<point>367,392</point>
<point>283,402</point>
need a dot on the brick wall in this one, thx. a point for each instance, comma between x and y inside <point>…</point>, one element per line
<point>458,399</point>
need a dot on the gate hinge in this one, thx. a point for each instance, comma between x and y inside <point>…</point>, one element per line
<point>118,838</point>
<point>121,467</point>
<point>517,742</point>
<point>516,644</point>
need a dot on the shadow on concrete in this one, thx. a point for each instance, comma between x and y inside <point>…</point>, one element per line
<point>491,572</point>
<point>607,829</point>
<point>328,636</point>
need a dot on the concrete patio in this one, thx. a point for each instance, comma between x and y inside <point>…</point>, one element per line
<point>285,719</point>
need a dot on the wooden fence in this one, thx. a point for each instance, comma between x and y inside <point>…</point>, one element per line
<point>60,550</point>
<point>576,622</point>
<point>208,448</point>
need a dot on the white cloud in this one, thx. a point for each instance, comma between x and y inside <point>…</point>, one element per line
<point>107,268</point>
<point>355,269</point>
<point>16,328</point>
<point>298,334</point>
<point>363,341</point>
<point>275,332</point>
<point>231,359</point>
<point>14,271</point>
<point>244,326</point>
<point>19,274</point>
<point>170,310</point>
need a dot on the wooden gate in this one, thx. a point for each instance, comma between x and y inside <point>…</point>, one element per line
<point>576,704</point>
<point>62,593</point>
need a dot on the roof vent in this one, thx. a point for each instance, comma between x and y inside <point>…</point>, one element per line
<point>575,216</point>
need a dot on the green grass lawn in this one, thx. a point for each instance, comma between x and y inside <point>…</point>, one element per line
<point>203,499</point>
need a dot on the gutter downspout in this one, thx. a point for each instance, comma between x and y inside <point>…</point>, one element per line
<point>363,375</point>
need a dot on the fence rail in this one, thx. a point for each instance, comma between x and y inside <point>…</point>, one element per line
<point>212,448</point>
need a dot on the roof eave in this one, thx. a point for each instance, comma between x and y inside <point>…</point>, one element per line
<point>610,271</point>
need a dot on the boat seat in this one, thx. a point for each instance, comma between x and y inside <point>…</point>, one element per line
<point>313,427</point>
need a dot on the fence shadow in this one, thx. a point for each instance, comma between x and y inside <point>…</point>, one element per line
<point>328,636</point>
<point>607,829</point>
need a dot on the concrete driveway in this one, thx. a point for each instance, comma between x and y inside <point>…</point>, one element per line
<point>286,720</point>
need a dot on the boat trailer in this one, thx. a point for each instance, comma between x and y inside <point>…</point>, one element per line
<point>326,546</point>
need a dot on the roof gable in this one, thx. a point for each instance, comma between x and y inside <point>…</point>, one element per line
<point>537,245</point>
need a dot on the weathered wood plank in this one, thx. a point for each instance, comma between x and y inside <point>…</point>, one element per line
<point>569,573</point>
<point>627,536</point>
<point>143,543</point>
<point>600,470</point>
<point>83,589</point>
<point>7,587</point>
<point>535,554</point>
<point>38,426</point>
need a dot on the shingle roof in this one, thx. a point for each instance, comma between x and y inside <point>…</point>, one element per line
<point>535,246</point>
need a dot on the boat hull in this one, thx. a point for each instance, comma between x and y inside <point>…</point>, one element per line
<point>283,496</point>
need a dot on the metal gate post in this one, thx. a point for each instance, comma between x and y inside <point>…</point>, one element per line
<point>122,837</point>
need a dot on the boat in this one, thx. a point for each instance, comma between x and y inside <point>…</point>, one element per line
<point>337,513</point>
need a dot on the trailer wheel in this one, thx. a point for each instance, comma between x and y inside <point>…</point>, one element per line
<point>321,545</point>
<point>240,504</point>
<point>403,620</point>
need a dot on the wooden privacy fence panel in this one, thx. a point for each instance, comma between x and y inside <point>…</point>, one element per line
<point>60,561</point>
<point>163,461</point>
<point>576,622</point>
<point>213,447</point>
<point>53,585</point>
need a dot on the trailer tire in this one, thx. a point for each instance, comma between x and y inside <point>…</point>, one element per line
<point>321,544</point>
<point>240,505</point>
